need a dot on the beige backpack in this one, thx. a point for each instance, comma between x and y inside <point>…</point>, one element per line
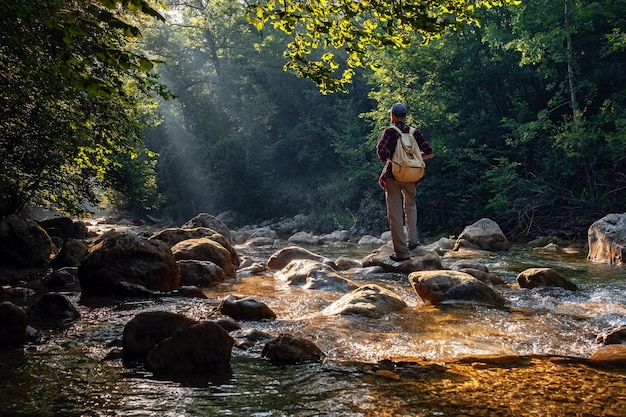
<point>407,163</point>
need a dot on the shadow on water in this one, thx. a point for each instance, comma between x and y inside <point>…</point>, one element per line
<point>529,359</point>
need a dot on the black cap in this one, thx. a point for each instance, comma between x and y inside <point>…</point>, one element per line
<point>398,109</point>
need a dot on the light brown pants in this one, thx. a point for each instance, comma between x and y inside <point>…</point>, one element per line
<point>401,207</point>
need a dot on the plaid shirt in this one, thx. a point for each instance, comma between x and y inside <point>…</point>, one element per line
<point>387,145</point>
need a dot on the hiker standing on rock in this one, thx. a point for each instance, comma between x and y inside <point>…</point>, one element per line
<point>395,191</point>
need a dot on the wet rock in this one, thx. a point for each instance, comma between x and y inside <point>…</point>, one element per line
<point>486,277</point>
<point>225,322</point>
<point>23,243</point>
<point>344,263</point>
<point>607,239</point>
<point>315,276</point>
<point>281,258</point>
<point>62,279</point>
<point>437,287</point>
<point>441,246</point>
<point>544,278</point>
<point>368,241</point>
<point>13,324</point>
<point>200,273</point>
<point>469,264</point>
<point>147,329</point>
<point>485,234</point>
<point>119,262</point>
<point>248,338</point>
<point>8,292</point>
<point>287,349</point>
<point>204,249</point>
<point>245,308</point>
<point>369,301</point>
<point>610,355</point>
<point>422,259</point>
<point>65,228</point>
<point>72,253</point>
<point>189,291</point>
<point>52,311</point>
<point>211,222</point>
<point>201,348</point>
<point>254,269</point>
<point>173,236</point>
<point>613,337</point>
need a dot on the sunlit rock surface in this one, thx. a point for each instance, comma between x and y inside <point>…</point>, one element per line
<point>607,239</point>
<point>438,287</point>
<point>485,234</point>
<point>544,278</point>
<point>369,301</point>
<point>314,275</point>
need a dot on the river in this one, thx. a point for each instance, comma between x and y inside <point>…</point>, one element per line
<point>421,361</point>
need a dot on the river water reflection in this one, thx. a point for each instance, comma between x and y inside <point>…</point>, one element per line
<point>448,361</point>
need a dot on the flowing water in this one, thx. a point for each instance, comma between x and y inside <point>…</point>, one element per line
<point>421,361</point>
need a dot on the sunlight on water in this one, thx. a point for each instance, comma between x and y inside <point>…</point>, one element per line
<point>71,374</point>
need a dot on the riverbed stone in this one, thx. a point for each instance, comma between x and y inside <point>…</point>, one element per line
<point>147,329</point>
<point>422,259</point>
<point>122,261</point>
<point>23,243</point>
<point>610,355</point>
<point>544,278</point>
<point>245,308</point>
<point>72,253</point>
<point>200,273</point>
<point>13,323</point>
<point>288,349</point>
<point>313,275</point>
<point>205,249</point>
<point>370,300</point>
<point>65,228</point>
<point>175,235</point>
<point>208,221</point>
<point>52,311</point>
<point>452,287</point>
<point>607,239</point>
<point>485,234</point>
<point>201,348</point>
<point>279,259</point>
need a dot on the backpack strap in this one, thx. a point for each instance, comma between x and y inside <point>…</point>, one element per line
<point>407,148</point>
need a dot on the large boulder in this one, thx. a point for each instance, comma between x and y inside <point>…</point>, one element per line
<point>13,323</point>
<point>119,262</point>
<point>485,234</point>
<point>282,257</point>
<point>23,243</point>
<point>145,330</point>
<point>607,239</point>
<point>175,235</point>
<point>209,221</point>
<point>422,259</point>
<point>544,278</point>
<point>369,301</point>
<point>198,349</point>
<point>287,349</point>
<point>452,287</point>
<point>315,276</point>
<point>205,249</point>
<point>65,228</point>
<point>72,253</point>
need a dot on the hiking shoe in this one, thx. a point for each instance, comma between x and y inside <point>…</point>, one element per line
<point>399,258</point>
<point>413,245</point>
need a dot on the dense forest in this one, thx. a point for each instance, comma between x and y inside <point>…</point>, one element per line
<point>215,106</point>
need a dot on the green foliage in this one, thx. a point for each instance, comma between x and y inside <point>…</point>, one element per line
<point>72,98</point>
<point>347,31</point>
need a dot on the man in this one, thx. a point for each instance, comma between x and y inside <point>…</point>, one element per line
<point>396,191</point>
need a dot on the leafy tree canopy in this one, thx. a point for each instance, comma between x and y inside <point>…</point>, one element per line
<point>351,28</point>
<point>73,99</point>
